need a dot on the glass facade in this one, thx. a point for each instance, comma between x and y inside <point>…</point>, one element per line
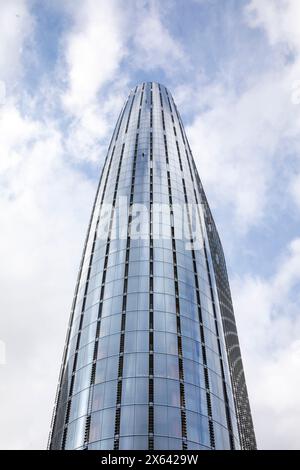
<point>151,359</point>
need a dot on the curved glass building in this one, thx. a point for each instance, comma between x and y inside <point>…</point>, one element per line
<point>152,359</point>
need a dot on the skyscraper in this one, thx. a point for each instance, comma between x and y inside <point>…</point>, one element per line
<point>152,359</point>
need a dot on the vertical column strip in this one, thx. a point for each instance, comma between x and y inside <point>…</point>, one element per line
<point>176,286</point>
<point>125,285</point>
<point>225,393</point>
<point>202,335</point>
<point>151,295</point>
<point>70,392</point>
<point>63,364</point>
<point>95,354</point>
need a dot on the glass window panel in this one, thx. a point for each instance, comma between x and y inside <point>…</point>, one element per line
<point>143,301</point>
<point>79,405</point>
<point>128,391</point>
<point>161,443</point>
<point>82,379</point>
<point>127,421</point>
<point>90,315</point>
<point>75,434</point>
<point>175,444</point>
<point>141,420</point>
<point>108,423</point>
<point>106,444</point>
<point>171,324</point>
<point>110,394</point>
<point>142,364</point>
<point>126,443</point>
<point>88,334</point>
<point>160,420</point>
<point>160,391</point>
<point>167,421</point>
<point>172,367</point>
<point>160,342</point>
<point>174,422</point>
<point>100,370</point>
<point>98,397</point>
<point>137,341</point>
<point>171,343</point>
<point>140,442</point>
<point>173,393</point>
<point>193,426</point>
<point>85,355</point>
<point>166,392</point>
<point>159,321</point>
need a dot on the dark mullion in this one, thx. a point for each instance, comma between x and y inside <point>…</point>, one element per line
<point>121,120</point>
<point>151,295</point>
<point>140,109</point>
<point>129,115</point>
<point>142,94</point>
<point>151,300</point>
<point>176,286</point>
<point>151,106</point>
<point>125,285</point>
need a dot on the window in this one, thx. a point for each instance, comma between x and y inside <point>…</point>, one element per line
<point>102,424</point>
<point>137,341</point>
<point>75,434</point>
<point>135,365</point>
<point>85,356</point>
<point>104,395</point>
<point>167,421</point>
<point>135,391</point>
<point>108,346</point>
<point>166,392</point>
<point>134,420</point>
<point>79,405</point>
<point>82,379</point>
<point>107,369</point>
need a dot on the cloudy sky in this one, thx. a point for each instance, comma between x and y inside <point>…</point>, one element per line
<point>233,67</point>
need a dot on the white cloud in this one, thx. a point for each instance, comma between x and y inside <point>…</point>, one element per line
<point>91,55</point>
<point>94,50</point>
<point>280,21</point>
<point>44,206</point>
<point>235,140</point>
<point>247,135</point>
<point>155,45</point>
<point>88,133</point>
<point>267,311</point>
<point>279,18</point>
<point>16,25</point>
<point>295,189</point>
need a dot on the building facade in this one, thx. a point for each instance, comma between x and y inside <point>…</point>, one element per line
<point>152,359</point>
